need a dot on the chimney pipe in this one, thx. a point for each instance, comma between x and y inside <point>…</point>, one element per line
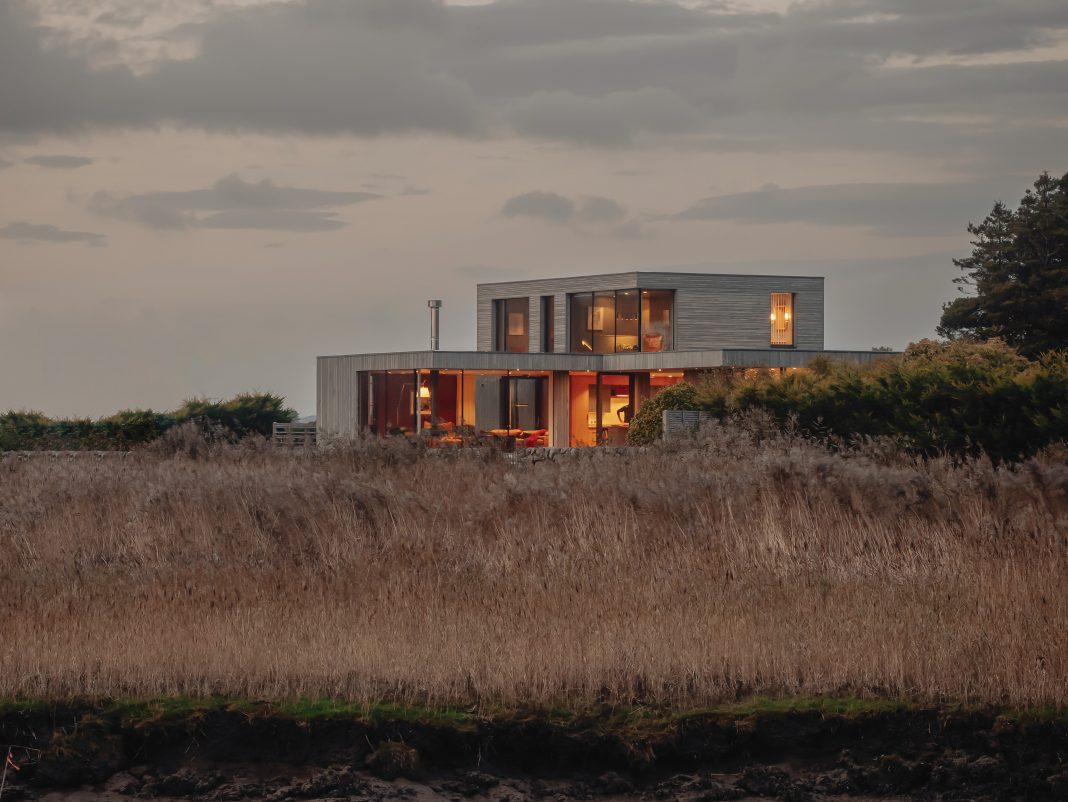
<point>434,307</point>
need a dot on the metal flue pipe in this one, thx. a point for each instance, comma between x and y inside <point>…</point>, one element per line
<point>434,340</point>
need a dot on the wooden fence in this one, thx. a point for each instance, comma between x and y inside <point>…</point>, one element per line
<point>294,435</point>
<point>683,422</point>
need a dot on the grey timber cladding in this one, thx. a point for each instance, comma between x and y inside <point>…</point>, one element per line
<point>337,412</point>
<point>712,311</point>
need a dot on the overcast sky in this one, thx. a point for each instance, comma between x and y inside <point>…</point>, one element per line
<point>197,197</point>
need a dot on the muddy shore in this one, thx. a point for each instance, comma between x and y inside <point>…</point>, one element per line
<point>222,752</point>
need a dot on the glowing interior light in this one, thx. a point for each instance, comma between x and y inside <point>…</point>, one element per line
<point>424,392</point>
<point>772,317</point>
<point>787,317</point>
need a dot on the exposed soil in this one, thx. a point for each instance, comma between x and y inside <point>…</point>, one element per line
<point>222,753</point>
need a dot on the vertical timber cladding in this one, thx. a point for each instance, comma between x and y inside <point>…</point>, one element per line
<point>337,398</point>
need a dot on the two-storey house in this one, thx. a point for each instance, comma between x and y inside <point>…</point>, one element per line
<point>568,361</point>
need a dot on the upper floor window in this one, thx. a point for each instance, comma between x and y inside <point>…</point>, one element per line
<point>658,311</point>
<point>511,324</point>
<point>782,318</point>
<point>618,321</point>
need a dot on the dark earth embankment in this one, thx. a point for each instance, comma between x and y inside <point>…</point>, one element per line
<point>764,750</point>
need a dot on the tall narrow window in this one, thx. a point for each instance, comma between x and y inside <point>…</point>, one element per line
<point>603,322</point>
<point>782,318</point>
<point>627,320</point>
<point>657,326</point>
<point>581,323</point>
<point>512,320</point>
<point>548,324</point>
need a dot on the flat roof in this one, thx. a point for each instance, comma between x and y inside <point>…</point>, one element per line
<point>645,273</point>
<point>602,363</point>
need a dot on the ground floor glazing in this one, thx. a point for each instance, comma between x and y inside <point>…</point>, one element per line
<point>515,408</point>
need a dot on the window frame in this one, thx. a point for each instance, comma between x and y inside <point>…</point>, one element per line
<point>783,310</point>
<point>501,313</point>
<point>589,315</point>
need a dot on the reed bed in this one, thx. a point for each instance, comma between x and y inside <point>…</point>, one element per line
<point>741,564</point>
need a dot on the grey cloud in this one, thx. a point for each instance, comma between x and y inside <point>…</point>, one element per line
<point>593,211</point>
<point>613,120</point>
<point>276,219</point>
<point>327,66</point>
<point>600,210</point>
<point>602,73</point>
<point>905,209</point>
<point>45,232</point>
<point>632,229</point>
<point>232,202</point>
<point>547,206</point>
<point>59,161</point>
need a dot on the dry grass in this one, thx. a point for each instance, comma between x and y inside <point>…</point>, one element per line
<point>678,577</point>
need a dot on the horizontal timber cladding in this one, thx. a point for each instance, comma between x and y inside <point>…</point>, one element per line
<point>337,373</point>
<point>789,358</point>
<point>712,311</point>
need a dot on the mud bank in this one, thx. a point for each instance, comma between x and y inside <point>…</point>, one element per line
<point>223,752</point>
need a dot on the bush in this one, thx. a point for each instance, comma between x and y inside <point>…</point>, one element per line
<point>243,415</point>
<point>648,424</point>
<point>959,398</point>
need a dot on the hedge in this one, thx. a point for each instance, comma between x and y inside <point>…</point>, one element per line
<point>937,398</point>
<point>240,416</point>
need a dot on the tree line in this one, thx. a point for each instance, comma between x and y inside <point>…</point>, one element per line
<point>244,414</point>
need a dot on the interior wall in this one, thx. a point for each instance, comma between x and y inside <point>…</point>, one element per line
<point>581,387</point>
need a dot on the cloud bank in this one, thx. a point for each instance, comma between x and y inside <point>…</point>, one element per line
<point>232,202</point>
<point>45,232</point>
<point>593,73</point>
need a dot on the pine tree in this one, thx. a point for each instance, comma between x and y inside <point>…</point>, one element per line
<point>1017,274</point>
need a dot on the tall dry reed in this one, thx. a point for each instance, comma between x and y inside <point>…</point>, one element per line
<point>737,565</point>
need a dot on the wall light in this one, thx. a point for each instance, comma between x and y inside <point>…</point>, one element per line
<point>424,392</point>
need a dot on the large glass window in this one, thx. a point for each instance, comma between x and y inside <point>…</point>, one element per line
<point>512,320</point>
<point>582,322</point>
<point>782,318</point>
<point>603,322</point>
<point>392,402</point>
<point>627,320</point>
<point>657,325</point>
<point>622,320</point>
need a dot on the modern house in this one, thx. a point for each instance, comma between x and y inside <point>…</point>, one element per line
<point>567,361</point>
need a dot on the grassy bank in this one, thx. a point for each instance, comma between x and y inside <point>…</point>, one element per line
<point>751,564</point>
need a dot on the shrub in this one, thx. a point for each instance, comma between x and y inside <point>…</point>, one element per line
<point>958,398</point>
<point>243,415</point>
<point>648,424</point>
